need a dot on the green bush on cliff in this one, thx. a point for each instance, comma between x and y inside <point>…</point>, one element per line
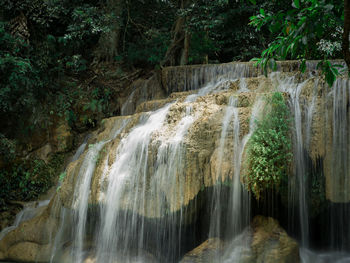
<point>269,148</point>
<point>25,180</point>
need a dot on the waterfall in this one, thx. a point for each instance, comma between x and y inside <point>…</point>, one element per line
<point>298,184</point>
<point>231,111</point>
<point>81,196</point>
<point>193,78</point>
<point>340,168</point>
<point>80,199</point>
<point>129,168</point>
<point>155,186</point>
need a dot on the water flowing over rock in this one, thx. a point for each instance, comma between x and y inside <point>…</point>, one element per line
<point>154,184</point>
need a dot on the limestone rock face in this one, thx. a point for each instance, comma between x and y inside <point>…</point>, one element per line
<point>44,152</point>
<point>205,252</point>
<point>267,243</point>
<point>29,252</point>
<point>271,243</point>
<point>143,90</point>
<point>30,242</point>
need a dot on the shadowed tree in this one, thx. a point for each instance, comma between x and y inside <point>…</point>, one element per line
<point>108,44</point>
<point>178,50</point>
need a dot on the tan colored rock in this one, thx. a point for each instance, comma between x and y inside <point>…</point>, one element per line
<point>142,90</point>
<point>265,242</point>
<point>209,251</point>
<point>198,151</point>
<point>44,152</point>
<point>29,252</point>
<point>152,105</point>
<point>30,241</point>
<point>271,243</point>
<point>62,138</point>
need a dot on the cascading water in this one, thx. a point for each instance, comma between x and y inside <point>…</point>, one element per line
<point>80,198</point>
<point>130,168</point>
<point>340,180</point>
<point>231,111</point>
<point>239,202</point>
<point>80,205</point>
<point>338,231</point>
<point>294,89</point>
<point>121,229</point>
<point>148,190</point>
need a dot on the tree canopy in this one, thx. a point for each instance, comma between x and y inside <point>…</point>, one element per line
<point>47,45</point>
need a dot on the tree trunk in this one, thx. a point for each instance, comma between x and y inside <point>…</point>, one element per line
<point>178,51</point>
<point>108,43</point>
<point>345,44</point>
<point>185,50</point>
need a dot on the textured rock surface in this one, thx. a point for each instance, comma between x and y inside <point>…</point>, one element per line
<point>205,252</point>
<point>30,242</point>
<point>271,243</point>
<point>62,138</point>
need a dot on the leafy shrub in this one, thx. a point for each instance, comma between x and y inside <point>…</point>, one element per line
<point>7,148</point>
<point>28,179</point>
<point>308,30</point>
<point>151,50</point>
<point>201,46</point>
<point>269,148</point>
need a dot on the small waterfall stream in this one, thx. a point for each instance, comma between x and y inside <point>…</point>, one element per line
<point>294,89</point>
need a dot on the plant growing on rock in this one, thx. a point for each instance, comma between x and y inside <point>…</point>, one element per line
<point>269,148</point>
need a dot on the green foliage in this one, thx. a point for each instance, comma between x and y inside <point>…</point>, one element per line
<point>27,179</point>
<point>151,50</point>
<point>62,176</point>
<point>86,21</point>
<point>99,103</point>
<point>302,32</point>
<point>7,149</point>
<point>19,81</point>
<point>269,148</point>
<point>219,30</point>
<point>329,70</point>
<point>201,46</point>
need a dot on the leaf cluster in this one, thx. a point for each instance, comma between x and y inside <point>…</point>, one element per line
<point>297,32</point>
<point>269,148</point>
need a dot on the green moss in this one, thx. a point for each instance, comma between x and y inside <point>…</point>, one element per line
<point>269,148</point>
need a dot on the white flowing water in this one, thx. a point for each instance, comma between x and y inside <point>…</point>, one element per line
<point>338,230</point>
<point>198,77</point>
<point>340,180</point>
<point>230,113</point>
<point>298,184</point>
<point>80,199</point>
<point>81,196</point>
<point>129,167</point>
